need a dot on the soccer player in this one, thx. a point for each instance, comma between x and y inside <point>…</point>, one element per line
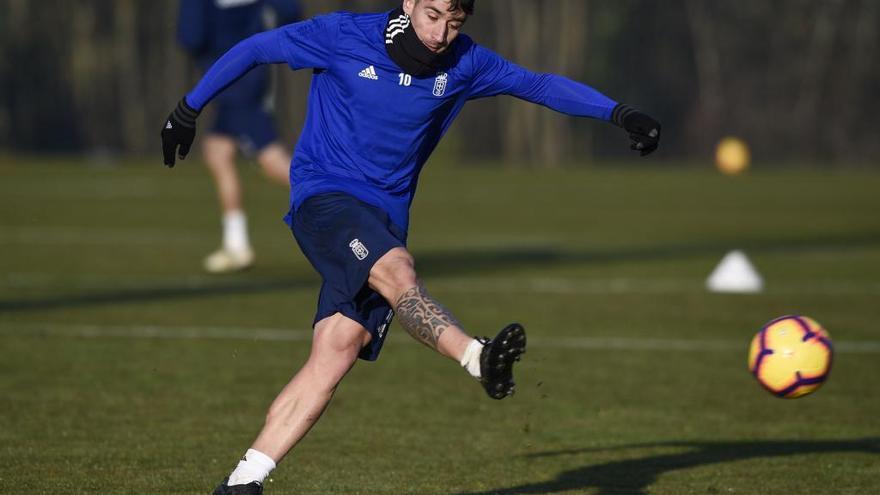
<point>385,88</point>
<point>207,29</point>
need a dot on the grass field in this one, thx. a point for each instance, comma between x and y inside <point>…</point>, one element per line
<point>126,370</point>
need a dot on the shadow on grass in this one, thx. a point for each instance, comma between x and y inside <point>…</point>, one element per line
<point>506,259</point>
<point>499,259</point>
<point>106,297</point>
<point>634,476</point>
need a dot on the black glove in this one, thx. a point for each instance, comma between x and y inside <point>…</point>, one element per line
<point>643,129</point>
<point>179,130</point>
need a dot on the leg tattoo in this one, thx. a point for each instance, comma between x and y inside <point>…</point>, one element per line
<point>423,317</point>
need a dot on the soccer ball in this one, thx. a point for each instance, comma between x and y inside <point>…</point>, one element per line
<point>791,356</point>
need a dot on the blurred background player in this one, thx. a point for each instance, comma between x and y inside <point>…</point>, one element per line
<point>207,29</point>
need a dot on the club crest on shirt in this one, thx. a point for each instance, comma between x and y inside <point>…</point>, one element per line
<point>360,251</point>
<point>440,84</point>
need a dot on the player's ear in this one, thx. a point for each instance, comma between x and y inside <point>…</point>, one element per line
<point>409,6</point>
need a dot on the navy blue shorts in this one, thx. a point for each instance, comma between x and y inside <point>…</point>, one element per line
<point>343,238</point>
<point>242,113</point>
<point>247,123</point>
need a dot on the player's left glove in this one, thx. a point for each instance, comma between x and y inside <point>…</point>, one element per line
<point>644,131</point>
<point>179,131</point>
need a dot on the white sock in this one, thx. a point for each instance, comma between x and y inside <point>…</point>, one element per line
<point>470,361</point>
<point>254,466</point>
<point>235,232</point>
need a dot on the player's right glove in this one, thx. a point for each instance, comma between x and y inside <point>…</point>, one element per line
<point>644,131</point>
<point>179,131</point>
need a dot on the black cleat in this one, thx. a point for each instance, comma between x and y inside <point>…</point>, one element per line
<point>253,488</point>
<point>497,358</point>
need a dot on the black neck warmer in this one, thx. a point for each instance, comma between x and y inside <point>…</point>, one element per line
<point>407,50</point>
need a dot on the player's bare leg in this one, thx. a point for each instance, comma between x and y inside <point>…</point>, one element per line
<point>335,347</point>
<point>274,160</point>
<point>219,154</point>
<point>394,277</point>
<point>426,320</point>
<point>336,344</point>
<point>236,253</point>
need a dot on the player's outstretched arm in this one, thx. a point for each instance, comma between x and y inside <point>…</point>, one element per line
<point>495,75</point>
<point>574,98</point>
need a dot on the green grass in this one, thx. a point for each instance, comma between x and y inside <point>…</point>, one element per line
<point>126,370</point>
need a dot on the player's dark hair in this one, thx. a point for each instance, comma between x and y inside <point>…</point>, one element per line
<point>466,6</point>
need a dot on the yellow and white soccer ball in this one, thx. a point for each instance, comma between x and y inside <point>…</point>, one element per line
<point>791,356</point>
<point>732,156</point>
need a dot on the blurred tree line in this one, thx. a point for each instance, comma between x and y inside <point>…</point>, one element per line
<point>798,79</point>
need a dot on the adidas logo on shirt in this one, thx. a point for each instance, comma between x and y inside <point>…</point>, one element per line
<point>369,73</point>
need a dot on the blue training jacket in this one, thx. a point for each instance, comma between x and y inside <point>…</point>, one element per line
<point>370,128</point>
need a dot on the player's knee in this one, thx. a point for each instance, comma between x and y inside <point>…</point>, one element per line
<point>218,151</point>
<point>337,344</point>
<point>275,163</point>
<point>393,274</point>
<point>272,155</point>
<point>335,349</point>
<point>340,339</point>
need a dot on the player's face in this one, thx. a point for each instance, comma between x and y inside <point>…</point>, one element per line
<point>435,25</point>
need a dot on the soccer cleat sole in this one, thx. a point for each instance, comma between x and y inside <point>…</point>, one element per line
<point>506,349</point>
<point>253,488</point>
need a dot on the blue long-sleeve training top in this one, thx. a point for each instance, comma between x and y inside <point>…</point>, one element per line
<point>370,127</point>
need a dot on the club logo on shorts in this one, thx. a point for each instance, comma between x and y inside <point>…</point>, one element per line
<point>360,251</point>
<point>440,84</point>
